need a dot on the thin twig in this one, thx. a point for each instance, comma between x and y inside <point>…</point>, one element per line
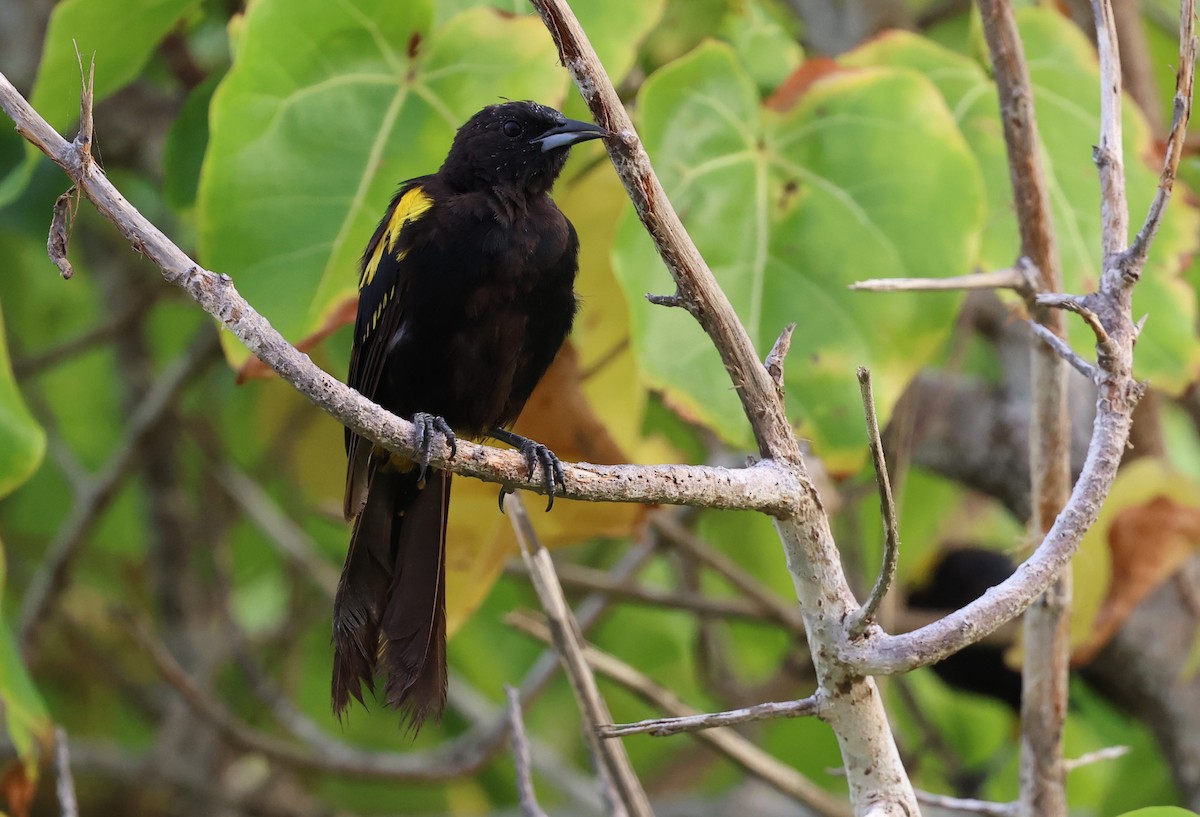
<point>586,578</point>
<point>54,570</point>
<point>1076,304</point>
<point>862,617</point>
<point>1011,278</point>
<point>730,744</point>
<point>1098,756</point>
<point>1064,350</point>
<point>68,806</point>
<point>661,727</point>
<point>85,136</point>
<point>525,791</point>
<point>782,611</point>
<point>983,807</point>
<point>568,640</point>
<point>1135,256</point>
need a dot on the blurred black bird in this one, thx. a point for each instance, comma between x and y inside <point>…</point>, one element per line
<point>466,295</point>
<point>960,576</point>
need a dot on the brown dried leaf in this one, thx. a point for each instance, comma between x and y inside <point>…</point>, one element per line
<point>1147,544</point>
<point>18,787</point>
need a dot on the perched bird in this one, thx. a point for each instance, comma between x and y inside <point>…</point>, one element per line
<point>466,294</point>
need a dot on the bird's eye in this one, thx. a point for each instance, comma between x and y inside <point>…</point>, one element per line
<point>512,129</point>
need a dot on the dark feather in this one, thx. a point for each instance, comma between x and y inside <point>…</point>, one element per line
<point>390,602</point>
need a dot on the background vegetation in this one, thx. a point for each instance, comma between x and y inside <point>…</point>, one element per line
<point>153,486</point>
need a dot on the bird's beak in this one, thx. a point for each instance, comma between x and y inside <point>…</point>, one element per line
<point>569,133</point>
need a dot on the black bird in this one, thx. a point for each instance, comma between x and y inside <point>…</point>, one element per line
<point>466,295</point>
<point>959,577</point>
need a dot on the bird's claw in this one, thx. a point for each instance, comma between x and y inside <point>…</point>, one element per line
<point>428,426</point>
<point>535,454</point>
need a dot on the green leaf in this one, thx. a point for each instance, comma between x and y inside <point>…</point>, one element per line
<point>1065,82</point>
<point>122,34</point>
<point>614,27</point>
<point>867,176</point>
<point>1160,811</point>
<point>767,49</point>
<point>24,712</point>
<point>22,441</point>
<point>183,152</point>
<point>327,108</point>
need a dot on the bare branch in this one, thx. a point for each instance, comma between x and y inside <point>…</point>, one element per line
<point>982,807</point>
<point>862,617</point>
<point>1076,304</point>
<point>779,776</point>
<point>87,100</point>
<point>1063,350</point>
<point>1108,154</point>
<point>525,791</point>
<point>1098,756</point>
<point>1135,256</point>
<point>661,727</point>
<point>68,806</point>
<point>764,486</point>
<point>577,576</point>
<point>1012,278</point>
<point>610,756</point>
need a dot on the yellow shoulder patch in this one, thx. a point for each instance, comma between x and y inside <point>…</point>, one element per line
<point>410,207</point>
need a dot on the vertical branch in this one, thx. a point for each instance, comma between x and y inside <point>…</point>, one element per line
<point>887,509</point>
<point>524,771</point>
<point>611,760</point>
<point>1108,154</point>
<point>1044,676</point>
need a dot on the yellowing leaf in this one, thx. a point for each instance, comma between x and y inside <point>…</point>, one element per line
<point>1148,526</point>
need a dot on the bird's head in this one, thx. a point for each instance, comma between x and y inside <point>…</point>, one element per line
<point>514,143</point>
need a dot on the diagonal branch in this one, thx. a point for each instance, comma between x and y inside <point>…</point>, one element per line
<point>764,486</point>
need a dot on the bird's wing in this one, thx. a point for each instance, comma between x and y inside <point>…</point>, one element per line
<point>381,287</point>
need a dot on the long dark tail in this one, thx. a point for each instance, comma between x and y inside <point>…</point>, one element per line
<point>390,608</point>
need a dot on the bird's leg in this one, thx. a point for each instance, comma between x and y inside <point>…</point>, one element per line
<point>428,426</point>
<point>535,454</point>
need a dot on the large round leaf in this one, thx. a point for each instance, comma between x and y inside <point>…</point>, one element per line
<point>1063,69</point>
<point>22,441</point>
<point>327,108</point>
<point>865,176</point>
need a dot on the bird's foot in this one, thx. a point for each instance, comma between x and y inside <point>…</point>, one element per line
<point>535,454</point>
<point>428,427</point>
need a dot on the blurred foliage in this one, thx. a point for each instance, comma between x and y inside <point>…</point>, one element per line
<point>267,142</point>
